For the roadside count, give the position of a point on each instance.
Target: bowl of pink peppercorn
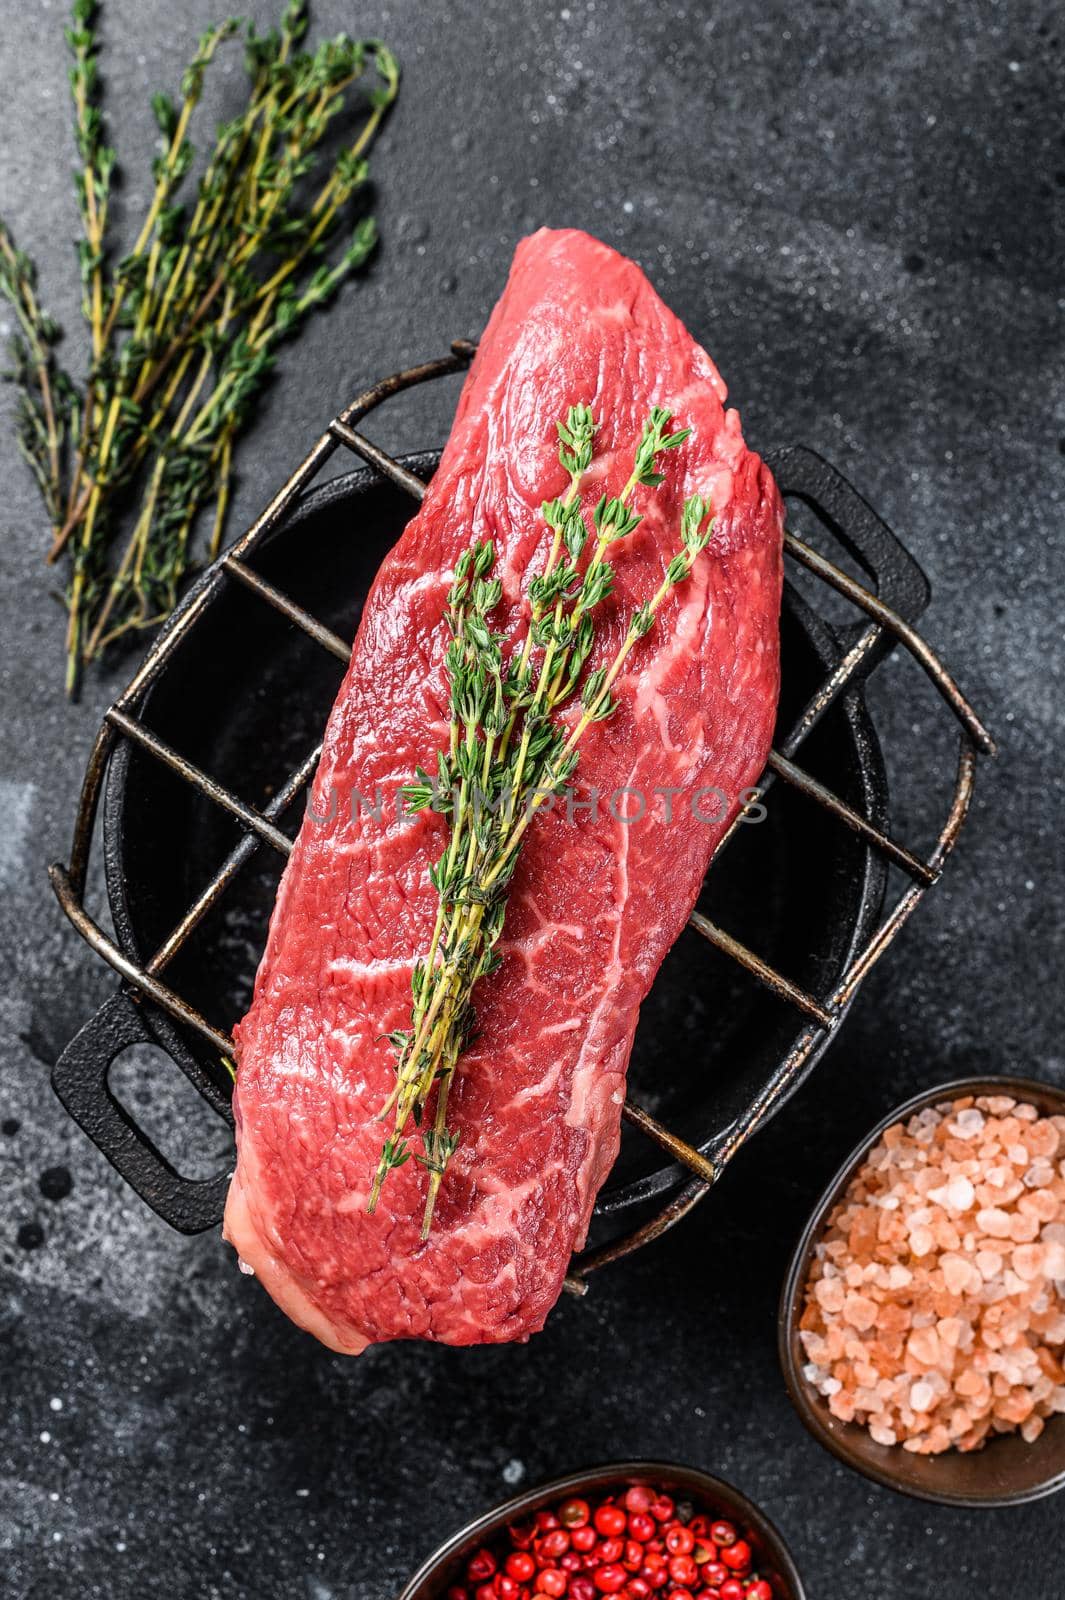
(630, 1531)
(922, 1322)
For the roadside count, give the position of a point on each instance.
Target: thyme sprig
(184, 328)
(509, 754)
(47, 408)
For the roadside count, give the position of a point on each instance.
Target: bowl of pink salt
(922, 1325)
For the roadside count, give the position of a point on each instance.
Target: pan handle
(897, 578)
(80, 1079)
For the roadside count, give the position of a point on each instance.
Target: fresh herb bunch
(184, 328)
(508, 754)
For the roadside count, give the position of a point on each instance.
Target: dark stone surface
(859, 208)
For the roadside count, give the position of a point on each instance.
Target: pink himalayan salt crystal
(988, 1264)
(1042, 1138)
(987, 1195)
(830, 1294)
(859, 1312)
(1023, 1229)
(923, 1346)
(895, 1318)
(993, 1222)
(968, 1123)
(997, 1104)
(1038, 1203)
(1015, 1407)
(922, 1396)
(960, 1422)
(945, 1234)
(1027, 1261)
(842, 1406)
(933, 1314)
(958, 1274)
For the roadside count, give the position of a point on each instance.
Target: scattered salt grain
(935, 1309)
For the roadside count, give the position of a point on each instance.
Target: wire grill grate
(823, 1014)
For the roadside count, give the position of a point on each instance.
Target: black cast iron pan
(246, 696)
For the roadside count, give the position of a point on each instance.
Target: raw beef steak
(596, 901)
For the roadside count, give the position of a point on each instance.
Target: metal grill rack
(822, 1014)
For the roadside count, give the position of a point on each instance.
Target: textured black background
(858, 208)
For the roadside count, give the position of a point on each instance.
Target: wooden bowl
(1007, 1471)
(772, 1558)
